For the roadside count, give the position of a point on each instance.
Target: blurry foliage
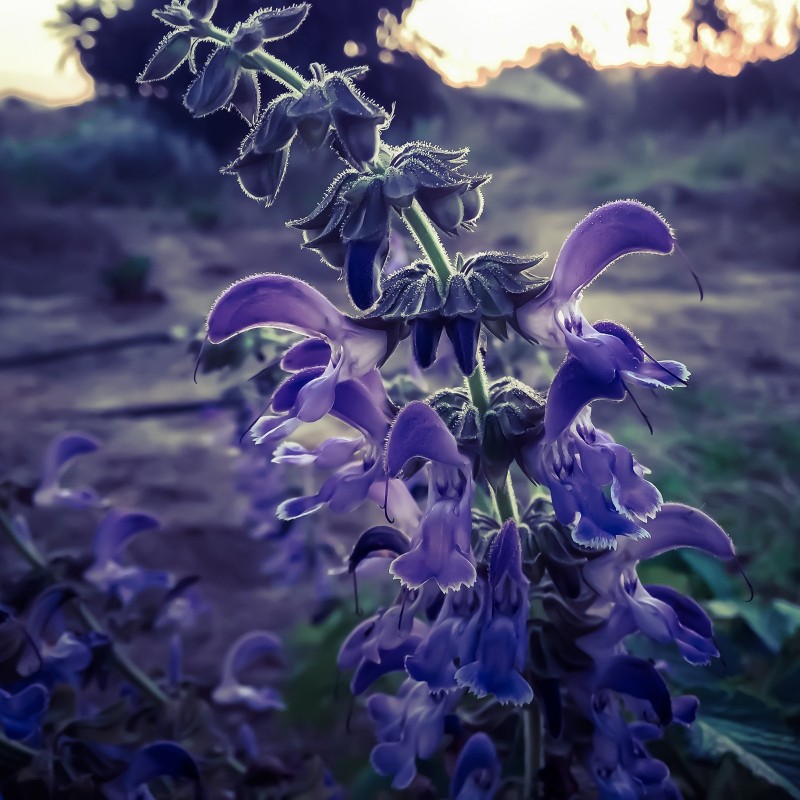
(127, 279)
(113, 157)
(763, 154)
(748, 482)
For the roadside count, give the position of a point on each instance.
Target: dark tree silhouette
(114, 44)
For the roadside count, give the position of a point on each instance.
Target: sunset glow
(468, 41)
(483, 36)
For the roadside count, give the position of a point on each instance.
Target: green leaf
(742, 726)
(773, 623)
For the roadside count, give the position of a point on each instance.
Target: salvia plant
(518, 605)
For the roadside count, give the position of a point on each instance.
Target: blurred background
(117, 233)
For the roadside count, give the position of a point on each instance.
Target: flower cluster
(527, 605)
(78, 716)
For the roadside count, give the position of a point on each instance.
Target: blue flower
(21, 713)
(382, 643)
(410, 725)
(442, 550)
(576, 464)
(478, 772)
(357, 463)
(452, 640)
(503, 642)
(660, 612)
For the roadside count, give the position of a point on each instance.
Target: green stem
(532, 730)
(428, 240)
(279, 70)
(260, 59)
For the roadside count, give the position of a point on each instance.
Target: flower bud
(171, 53)
(214, 86)
(277, 23)
(201, 10)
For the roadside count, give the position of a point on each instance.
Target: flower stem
(428, 240)
(260, 59)
(425, 235)
(532, 737)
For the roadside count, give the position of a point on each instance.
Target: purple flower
(21, 713)
(452, 640)
(660, 612)
(593, 480)
(621, 765)
(442, 549)
(410, 725)
(108, 572)
(246, 650)
(357, 463)
(60, 454)
(478, 772)
(64, 654)
(382, 643)
(607, 351)
(503, 641)
(280, 301)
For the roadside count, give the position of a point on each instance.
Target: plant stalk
(427, 239)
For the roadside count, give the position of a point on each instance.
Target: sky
(471, 39)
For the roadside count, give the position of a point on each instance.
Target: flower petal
(418, 432)
(606, 234)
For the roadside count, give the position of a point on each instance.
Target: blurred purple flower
(60, 454)
(477, 773)
(409, 725)
(21, 712)
(107, 572)
(246, 650)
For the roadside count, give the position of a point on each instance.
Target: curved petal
(603, 236)
(418, 432)
(246, 650)
(572, 389)
(60, 453)
(637, 678)
(274, 301)
(478, 756)
(677, 525)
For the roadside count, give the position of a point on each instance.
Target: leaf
(739, 724)
(109, 726)
(772, 623)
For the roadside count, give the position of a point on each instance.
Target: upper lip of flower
(280, 301)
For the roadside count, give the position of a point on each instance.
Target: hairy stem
(260, 59)
(428, 240)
